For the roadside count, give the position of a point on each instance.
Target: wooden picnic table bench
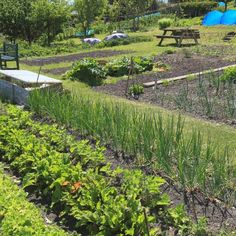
(179, 34)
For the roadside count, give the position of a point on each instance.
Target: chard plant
(80, 185)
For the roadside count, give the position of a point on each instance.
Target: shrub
(136, 89)
(186, 22)
(169, 51)
(193, 9)
(164, 23)
(120, 67)
(125, 41)
(189, 9)
(160, 66)
(88, 71)
(229, 75)
(143, 64)
(37, 50)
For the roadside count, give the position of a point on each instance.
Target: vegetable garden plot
(73, 57)
(80, 186)
(17, 215)
(192, 159)
(177, 64)
(208, 96)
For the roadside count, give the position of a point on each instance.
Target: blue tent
(229, 18)
(212, 18)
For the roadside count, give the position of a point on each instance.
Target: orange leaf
(76, 186)
(66, 183)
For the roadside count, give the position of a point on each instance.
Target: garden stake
(146, 221)
(193, 207)
(130, 74)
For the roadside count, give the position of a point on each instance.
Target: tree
(15, 19)
(50, 15)
(112, 16)
(30, 28)
(29, 19)
(133, 9)
(87, 11)
(226, 4)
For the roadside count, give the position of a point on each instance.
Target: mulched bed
(74, 57)
(179, 65)
(197, 204)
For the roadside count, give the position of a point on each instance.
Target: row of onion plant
(194, 161)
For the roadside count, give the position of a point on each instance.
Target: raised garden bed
(16, 85)
(50, 137)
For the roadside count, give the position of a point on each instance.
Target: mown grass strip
(17, 215)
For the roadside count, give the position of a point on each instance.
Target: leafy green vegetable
(18, 216)
(76, 179)
(120, 67)
(88, 71)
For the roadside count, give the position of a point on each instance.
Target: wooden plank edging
(153, 83)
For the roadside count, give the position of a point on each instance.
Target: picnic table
(179, 34)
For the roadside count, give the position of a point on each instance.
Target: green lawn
(221, 133)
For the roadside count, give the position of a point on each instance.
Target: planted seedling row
(80, 186)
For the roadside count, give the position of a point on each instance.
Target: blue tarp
(229, 18)
(88, 33)
(149, 15)
(212, 18)
(221, 4)
(219, 18)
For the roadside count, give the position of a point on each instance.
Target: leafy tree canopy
(88, 10)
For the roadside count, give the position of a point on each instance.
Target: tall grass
(196, 164)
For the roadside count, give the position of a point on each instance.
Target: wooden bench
(229, 36)
(179, 34)
(9, 53)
